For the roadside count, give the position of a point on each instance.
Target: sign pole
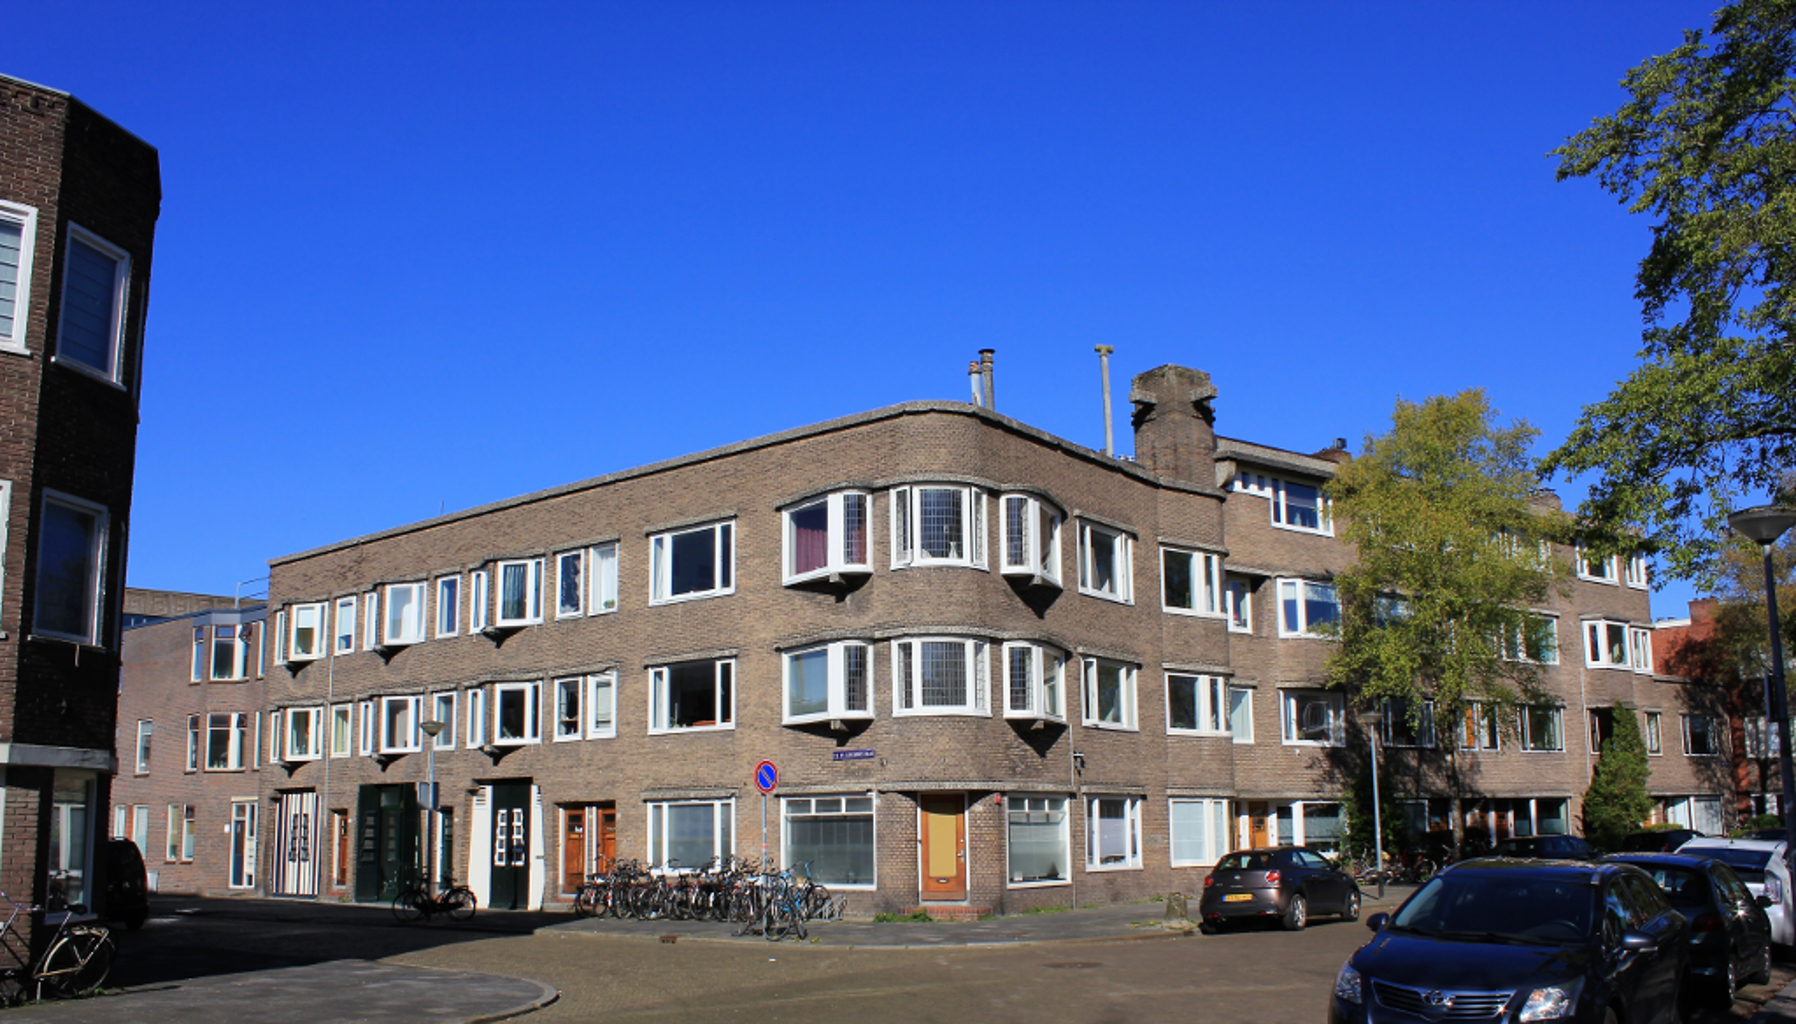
(763, 829)
(767, 777)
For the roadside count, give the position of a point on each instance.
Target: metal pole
(1377, 818)
(430, 818)
(1104, 370)
(763, 830)
(1780, 701)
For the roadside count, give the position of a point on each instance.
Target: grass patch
(918, 916)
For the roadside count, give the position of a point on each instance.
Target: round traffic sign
(766, 776)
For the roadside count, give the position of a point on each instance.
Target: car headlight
(1347, 985)
(1551, 1003)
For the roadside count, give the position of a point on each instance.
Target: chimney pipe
(985, 374)
(977, 381)
(1104, 369)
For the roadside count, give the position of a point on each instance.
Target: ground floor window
(834, 835)
(1312, 823)
(71, 837)
(1039, 842)
(690, 834)
(1702, 813)
(1200, 831)
(1521, 817)
(1113, 833)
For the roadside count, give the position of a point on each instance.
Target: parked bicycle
(75, 961)
(414, 903)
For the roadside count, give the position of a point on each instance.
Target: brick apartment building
(79, 198)
(996, 670)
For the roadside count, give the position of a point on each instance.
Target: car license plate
(1237, 897)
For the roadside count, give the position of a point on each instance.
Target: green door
(387, 852)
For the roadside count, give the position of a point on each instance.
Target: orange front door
(1259, 825)
(604, 835)
(573, 851)
(942, 845)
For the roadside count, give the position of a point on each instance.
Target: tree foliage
(1441, 513)
(1617, 802)
(1705, 144)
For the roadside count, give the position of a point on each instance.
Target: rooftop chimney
(1174, 432)
(985, 374)
(977, 380)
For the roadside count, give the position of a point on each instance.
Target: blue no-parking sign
(766, 776)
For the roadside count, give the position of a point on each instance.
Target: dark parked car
(1524, 941)
(1658, 840)
(1545, 848)
(127, 885)
(1289, 884)
(1730, 935)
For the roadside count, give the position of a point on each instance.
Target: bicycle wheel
(586, 900)
(78, 963)
(406, 905)
(461, 903)
(816, 902)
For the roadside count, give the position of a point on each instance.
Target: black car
(1730, 934)
(1545, 848)
(127, 884)
(1656, 840)
(1521, 940)
(1287, 884)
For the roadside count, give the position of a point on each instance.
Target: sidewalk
(1780, 1010)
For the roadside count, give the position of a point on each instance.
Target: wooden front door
(942, 845)
(603, 836)
(340, 868)
(1259, 824)
(573, 850)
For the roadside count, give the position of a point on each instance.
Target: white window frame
(26, 218)
(1291, 731)
(1527, 729)
(906, 505)
(197, 671)
(413, 739)
(441, 701)
(115, 330)
(479, 601)
(236, 739)
(1481, 716)
(345, 626)
(601, 682)
(603, 580)
(1608, 576)
(1041, 560)
(838, 559)
(370, 620)
(836, 658)
(280, 637)
(1207, 583)
(1716, 743)
(195, 742)
(1514, 648)
(1209, 700)
(314, 749)
(98, 548)
(1026, 804)
(1652, 733)
(1426, 734)
(321, 638)
(448, 606)
(723, 827)
(1305, 628)
(1218, 831)
(578, 559)
(787, 813)
(1280, 508)
(342, 715)
(475, 699)
(1044, 690)
(1122, 555)
(1634, 572)
(1596, 648)
(1090, 670)
(370, 729)
(1246, 693)
(723, 677)
(410, 625)
(562, 687)
(723, 563)
(146, 732)
(1237, 603)
(532, 689)
(907, 677)
(1132, 861)
(1640, 648)
(533, 593)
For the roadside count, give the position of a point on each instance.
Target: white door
(243, 844)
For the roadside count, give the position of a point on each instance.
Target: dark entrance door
(388, 852)
(511, 845)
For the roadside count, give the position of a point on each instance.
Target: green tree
(1617, 802)
(1706, 145)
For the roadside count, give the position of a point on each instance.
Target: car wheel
(1726, 987)
(1761, 975)
(1297, 914)
(1350, 911)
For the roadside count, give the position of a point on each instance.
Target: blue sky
(423, 256)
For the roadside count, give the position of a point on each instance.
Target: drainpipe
(985, 376)
(1104, 369)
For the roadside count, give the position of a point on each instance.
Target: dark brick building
(79, 198)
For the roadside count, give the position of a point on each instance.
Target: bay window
(692, 695)
(939, 676)
(1109, 691)
(1606, 644)
(1106, 562)
(1307, 609)
(405, 615)
(1197, 705)
(520, 592)
(1113, 833)
(1190, 582)
(828, 536)
(829, 681)
(831, 834)
(938, 525)
(688, 564)
(1030, 539)
(1034, 682)
(1038, 841)
(1312, 718)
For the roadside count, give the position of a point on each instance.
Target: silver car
(1761, 864)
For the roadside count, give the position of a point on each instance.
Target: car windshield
(1684, 887)
(1245, 862)
(1748, 863)
(1501, 906)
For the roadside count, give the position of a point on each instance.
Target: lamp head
(1762, 524)
(1370, 718)
(431, 728)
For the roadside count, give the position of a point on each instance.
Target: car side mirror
(1376, 921)
(1765, 900)
(1636, 941)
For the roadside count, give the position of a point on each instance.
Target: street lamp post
(1371, 720)
(1764, 525)
(431, 729)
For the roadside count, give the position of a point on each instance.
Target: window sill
(1097, 868)
(512, 744)
(87, 371)
(830, 574)
(563, 616)
(935, 712)
(232, 771)
(655, 602)
(1199, 733)
(1311, 743)
(1105, 596)
(1195, 613)
(1555, 750)
(825, 718)
(941, 563)
(1031, 716)
(558, 738)
(1241, 630)
(1598, 579)
(512, 625)
(682, 729)
(1034, 577)
(1303, 636)
(602, 735)
(1050, 883)
(1314, 531)
(1111, 726)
